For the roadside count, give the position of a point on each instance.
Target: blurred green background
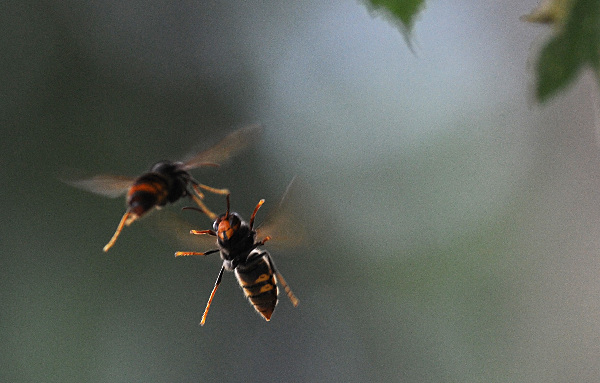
(453, 225)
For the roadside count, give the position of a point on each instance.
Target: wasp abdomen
(148, 191)
(260, 286)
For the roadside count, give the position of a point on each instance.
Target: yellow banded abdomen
(259, 284)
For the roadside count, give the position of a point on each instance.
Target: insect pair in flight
(236, 239)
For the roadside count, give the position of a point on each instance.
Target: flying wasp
(253, 267)
(167, 181)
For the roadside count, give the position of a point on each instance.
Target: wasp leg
(186, 253)
(200, 232)
(212, 295)
(287, 289)
(127, 219)
(211, 189)
(265, 239)
(198, 192)
(202, 206)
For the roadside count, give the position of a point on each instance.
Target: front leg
(198, 232)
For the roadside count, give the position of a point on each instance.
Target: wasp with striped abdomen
(253, 267)
(167, 181)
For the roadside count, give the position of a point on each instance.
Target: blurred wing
(285, 224)
(226, 148)
(176, 231)
(103, 184)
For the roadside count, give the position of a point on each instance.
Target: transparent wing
(103, 184)
(284, 223)
(226, 148)
(176, 230)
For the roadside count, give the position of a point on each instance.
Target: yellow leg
(287, 289)
(212, 190)
(187, 253)
(127, 219)
(203, 207)
(212, 295)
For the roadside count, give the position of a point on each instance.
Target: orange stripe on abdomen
(147, 192)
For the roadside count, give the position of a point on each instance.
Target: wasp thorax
(165, 167)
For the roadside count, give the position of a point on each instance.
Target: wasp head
(227, 225)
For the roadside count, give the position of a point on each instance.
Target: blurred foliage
(404, 10)
(464, 252)
(575, 43)
(552, 12)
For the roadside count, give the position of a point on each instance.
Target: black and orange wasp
(253, 267)
(168, 181)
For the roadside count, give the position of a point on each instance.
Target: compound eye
(218, 222)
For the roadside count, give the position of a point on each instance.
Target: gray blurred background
(452, 224)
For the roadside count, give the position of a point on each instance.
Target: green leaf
(575, 45)
(552, 12)
(403, 10)
(557, 66)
